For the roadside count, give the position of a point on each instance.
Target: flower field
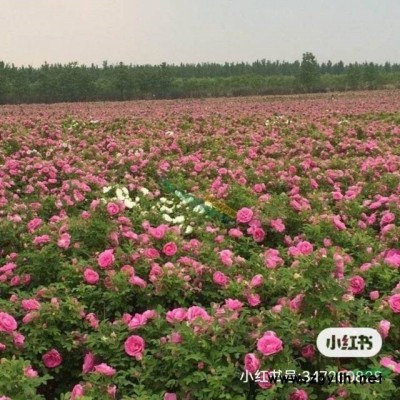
(165, 249)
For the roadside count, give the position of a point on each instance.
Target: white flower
(119, 194)
(125, 191)
(188, 230)
(129, 203)
(169, 133)
(187, 200)
(179, 219)
(107, 189)
(167, 217)
(162, 199)
(208, 204)
(199, 209)
(166, 209)
(144, 190)
(137, 198)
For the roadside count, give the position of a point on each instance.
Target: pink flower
(106, 259)
(104, 369)
(112, 391)
(91, 277)
(392, 258)
(258, 234)
(134, 346)
(257, 280)
(52, 359)
(296, 302)
(251, 363)
(7, 322)
(176, 338)
(383, 328)
(29, 372)
(277, 225)
(233, 304)
(299, 394)
(34, 224)
(236, 233)
(244, 215)
(176, 315)
(170, 249)
(30, 305)
(226, 257)
(391, 364)
(170, 396)
(38, 240)
(220, 278)
(305, 248)
(253, 299)
(64, 241)
(357, 284)
(112, 208)
(159, 232)
(338, 223)
(387, 218)
(136, 321)
(308, 352)
(18, 339)
(196, 312)
(269, 344)
(394, 303)
(137, 281)
(272, 259)
(374, 295)
(88, 362)
(77, 392)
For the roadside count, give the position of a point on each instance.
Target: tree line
(70, 82)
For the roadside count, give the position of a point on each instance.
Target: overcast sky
(174, 31)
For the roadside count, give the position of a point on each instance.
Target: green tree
(309, 72)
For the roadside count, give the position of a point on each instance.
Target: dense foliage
(72, 82)
(116, 283)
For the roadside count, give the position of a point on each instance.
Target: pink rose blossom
(77, 392)
(299, 394)
(88, 362)
(269, 344)
(244, 215)
(176, 315)
(383, 328)
(30, 305)
(220, 278)
(394, 303)
(112, 208)
(251, 363)
(277, 225)
(254, 299)
(64, 241)
(7, 322)
(170, 249)
(170, 396)
(91, 277)
(29, 372)
(195, 313)
(104, 369)
(134, 346)
(52, 359)
(357, 284)
(106, 259)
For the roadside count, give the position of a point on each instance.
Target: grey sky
(174, 31)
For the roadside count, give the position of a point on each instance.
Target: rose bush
(113, 287)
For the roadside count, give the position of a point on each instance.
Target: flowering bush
(114, 287)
